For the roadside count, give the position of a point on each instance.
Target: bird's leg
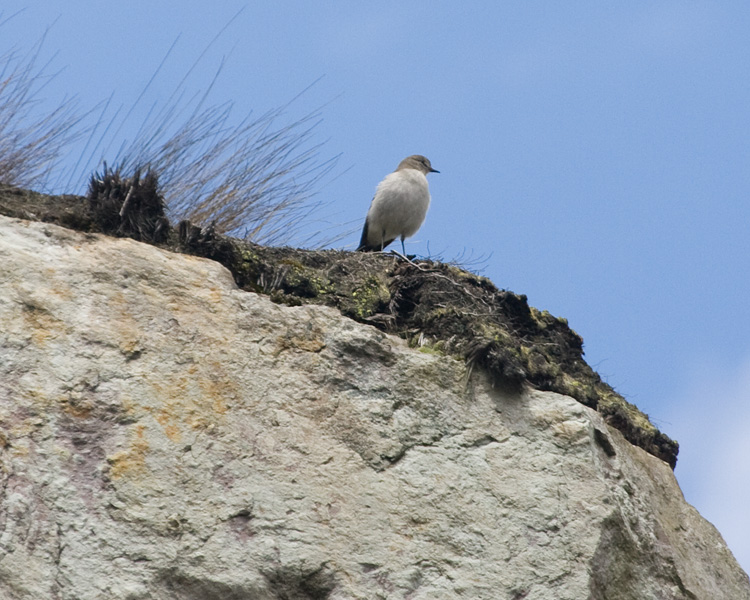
(403, 249)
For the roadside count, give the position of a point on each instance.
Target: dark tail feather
(363, 247)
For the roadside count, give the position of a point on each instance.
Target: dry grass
(254, 179)
(31, 145)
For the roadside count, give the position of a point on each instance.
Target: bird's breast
(400, 204)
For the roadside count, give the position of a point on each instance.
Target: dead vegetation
(255, 179)
(31, 144)
(128, 207)
(433, 305)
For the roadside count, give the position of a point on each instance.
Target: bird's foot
(407, 257)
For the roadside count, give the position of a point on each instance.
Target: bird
(399, 206)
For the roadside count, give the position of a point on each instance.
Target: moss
(433, 347)
(371, 297)
(302, 281)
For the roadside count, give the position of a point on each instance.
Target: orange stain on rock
(130, 462)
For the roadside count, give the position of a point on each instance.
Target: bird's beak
(434, 170)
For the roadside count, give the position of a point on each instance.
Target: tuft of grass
(255, 178)
(130, 207)
(31, 145)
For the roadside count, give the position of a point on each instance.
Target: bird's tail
(363, 247)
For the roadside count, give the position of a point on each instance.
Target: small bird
(399, 206)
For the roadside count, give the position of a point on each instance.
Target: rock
(166, 435)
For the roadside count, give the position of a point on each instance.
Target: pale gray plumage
(399, 206)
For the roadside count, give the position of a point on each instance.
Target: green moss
(425, 346)
(300, 280)
(370, 297)
(615, 405)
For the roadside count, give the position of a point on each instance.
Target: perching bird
(399, 206)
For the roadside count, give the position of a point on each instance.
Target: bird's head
(418, 162)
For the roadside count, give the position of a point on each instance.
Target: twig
(125, 204)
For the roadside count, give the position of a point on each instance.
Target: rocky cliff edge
(167, 434)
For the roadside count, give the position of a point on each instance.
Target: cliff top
(435, 306)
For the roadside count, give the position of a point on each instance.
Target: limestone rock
(165, 435)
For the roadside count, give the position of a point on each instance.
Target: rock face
(165, 435)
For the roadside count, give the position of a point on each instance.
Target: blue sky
(597, 153)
